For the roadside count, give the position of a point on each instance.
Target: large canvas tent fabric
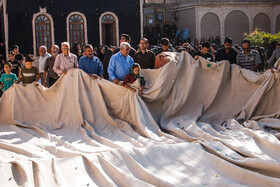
(198, 124)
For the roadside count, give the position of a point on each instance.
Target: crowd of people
(123, 65)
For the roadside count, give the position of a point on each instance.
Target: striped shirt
(248, 61)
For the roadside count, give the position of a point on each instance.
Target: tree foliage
(261, 38)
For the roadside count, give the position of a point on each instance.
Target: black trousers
(51, 81)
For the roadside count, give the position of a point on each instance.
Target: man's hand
(116, 81)
(132, 89)
(140, 94)
(93, 76)
(196, 57)
(64, 72)
(45, 84)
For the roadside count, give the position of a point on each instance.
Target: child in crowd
(15, 63)
(29, 73)
(7, 79)
(132, 77)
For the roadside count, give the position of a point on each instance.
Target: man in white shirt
(42, 60)
(65, 60)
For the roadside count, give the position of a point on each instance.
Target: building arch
(262, 21)
(76, 28)
(43, 31)
(236, 24)
(109, 29)
(210, 26)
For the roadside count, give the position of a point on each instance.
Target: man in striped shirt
(248, 58)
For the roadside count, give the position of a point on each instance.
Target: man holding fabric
(248, 58)
(91, 64)
(120, 64)
(65, 60)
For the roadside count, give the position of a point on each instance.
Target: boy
(29, 73)
(8, 79)
(15, 63)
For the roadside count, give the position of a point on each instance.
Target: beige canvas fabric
(198, 124)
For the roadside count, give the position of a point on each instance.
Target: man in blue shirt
(91, 64)
(120, 64)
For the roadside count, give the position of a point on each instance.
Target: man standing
(15, 63)
(91, 64)
(227, 53)
(164, 42)
(275, 56)
(204, 52)
(48, 69)
(65, 60)
(18, 55)
(120, 64)
(248, 59)
(145, 58)
(42, 60)
(126, 38)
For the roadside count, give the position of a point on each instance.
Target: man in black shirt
(126, 38)
(227, 53)
(145, 58)
(165, 46)
(15, 63)
(18, 55)
(204, 52)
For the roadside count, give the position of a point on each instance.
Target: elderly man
(48, 69)
(65, 60)
(91, 64)
(248, 58)
(120, 64)
(42, 60)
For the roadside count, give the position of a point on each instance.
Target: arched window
(76, 28)
(43, 29)
(109, 29)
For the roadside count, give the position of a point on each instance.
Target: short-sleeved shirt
(15, 68)
(8, 80)
(29, 75)
(248, 61)
(145, 60)
(49, 67)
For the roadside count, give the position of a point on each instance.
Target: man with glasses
(65, 60)
(226, 53)
(120, 64)
(248, 58)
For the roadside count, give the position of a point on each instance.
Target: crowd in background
(122, 65)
